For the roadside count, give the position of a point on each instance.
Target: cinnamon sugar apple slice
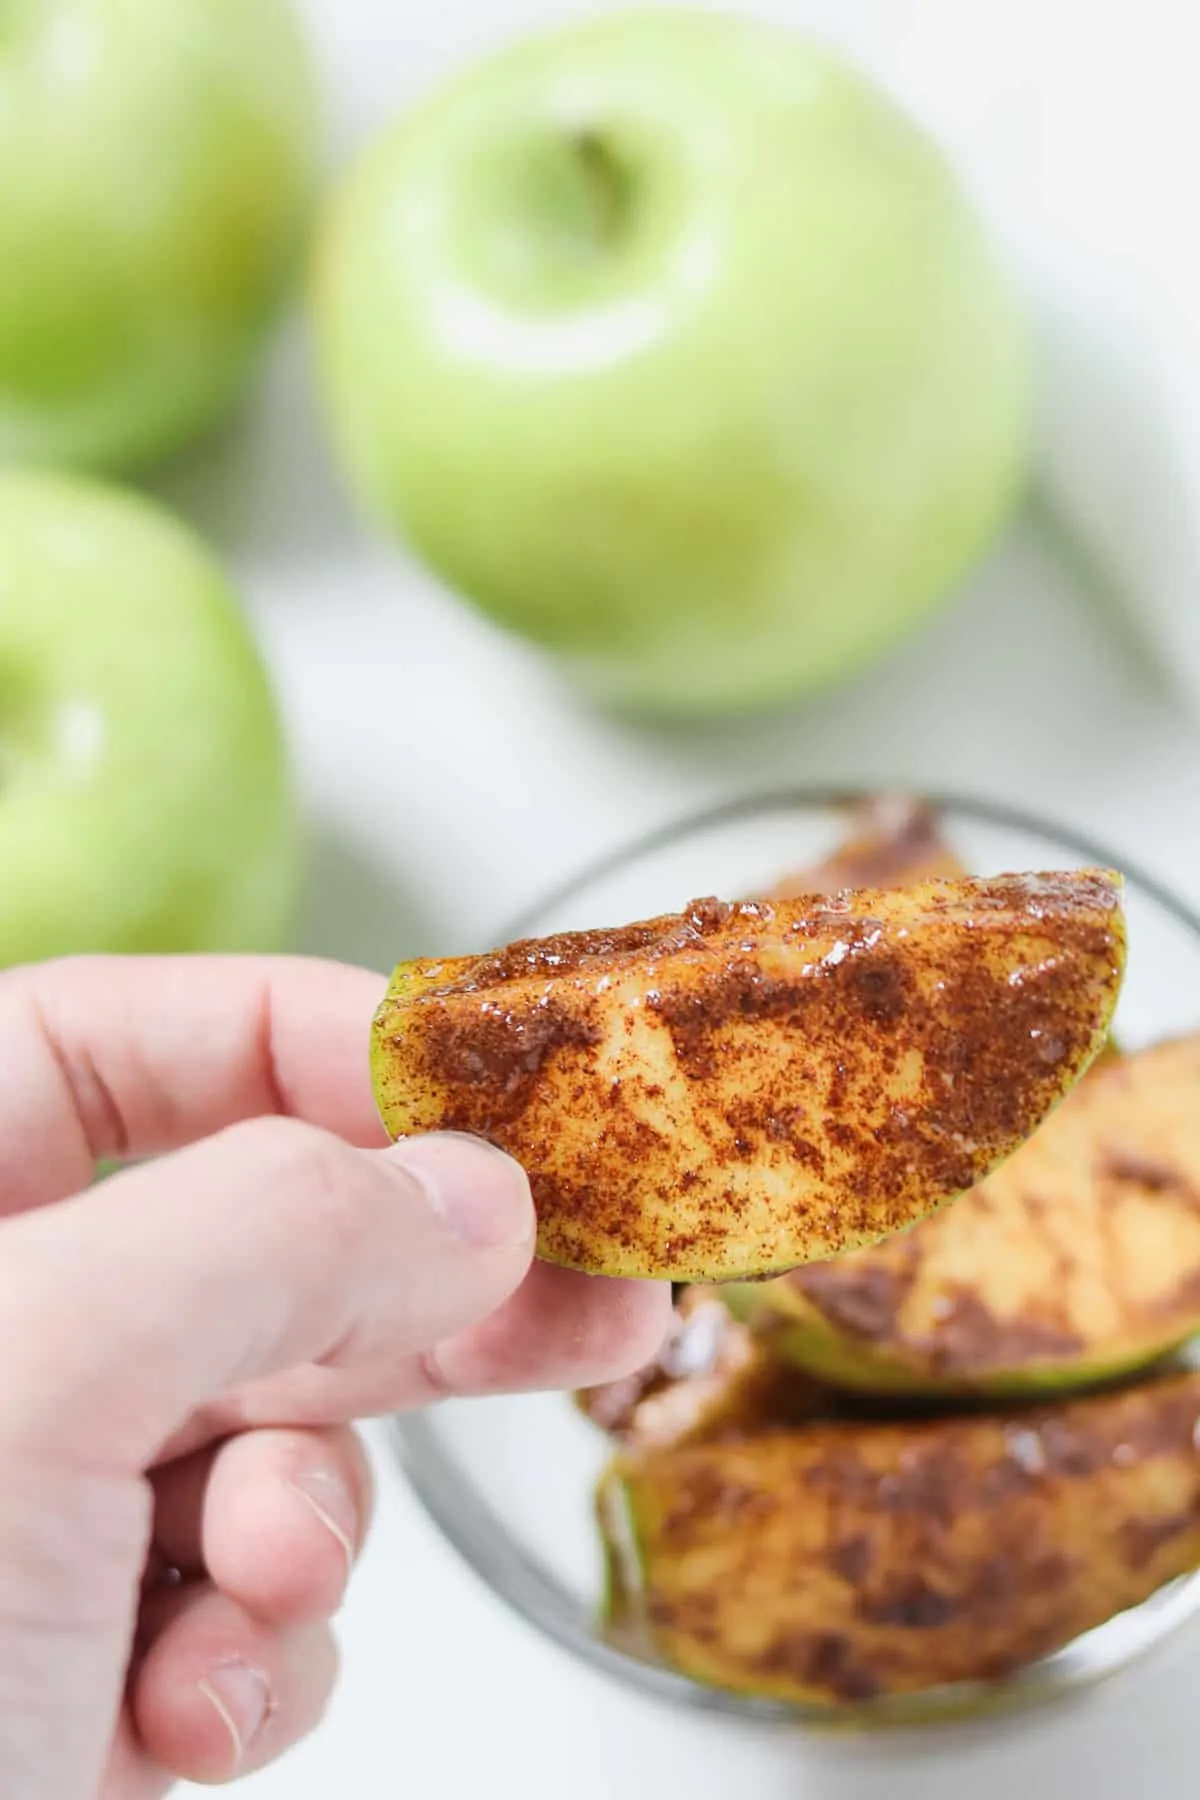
(738, 1089)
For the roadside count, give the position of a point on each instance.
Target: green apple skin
(676, 347)
(145, 796)
(809, 1344)
(157, 170)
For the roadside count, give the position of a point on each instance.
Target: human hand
(185, 1344)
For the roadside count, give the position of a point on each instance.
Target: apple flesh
(156, 171)
(145, 801)
(671, 343)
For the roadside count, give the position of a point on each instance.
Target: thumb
(268, 1245)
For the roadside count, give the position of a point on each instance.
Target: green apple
(145, 800)
(674, 345)
(157, 160)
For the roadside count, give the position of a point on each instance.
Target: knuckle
(436, 1383)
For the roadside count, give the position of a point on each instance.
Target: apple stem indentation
(605, 186)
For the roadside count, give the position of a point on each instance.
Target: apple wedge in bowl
(850, 1559)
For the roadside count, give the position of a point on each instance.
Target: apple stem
(605, 181)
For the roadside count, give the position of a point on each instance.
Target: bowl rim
(472, 1528)
(835, 797)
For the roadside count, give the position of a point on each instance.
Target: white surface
(450, 778)
(1076, 126)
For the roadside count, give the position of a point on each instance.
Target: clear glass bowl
(509, 1481)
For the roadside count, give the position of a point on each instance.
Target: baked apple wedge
(853, 1560)
(740, 1088)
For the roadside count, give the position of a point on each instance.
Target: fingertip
(328, 1500)
(218, 1694)
(240, 1695)
(286, 1514)
(481, 1192)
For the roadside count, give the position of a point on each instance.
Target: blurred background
(1062, 669)
(1054, 674)
(520, 464)
(448, 768)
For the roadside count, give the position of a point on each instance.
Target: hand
(184, 1345)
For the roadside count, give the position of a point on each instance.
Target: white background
(450, 778)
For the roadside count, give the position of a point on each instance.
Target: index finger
(113, 1057)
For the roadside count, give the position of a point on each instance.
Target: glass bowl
(509, 1481)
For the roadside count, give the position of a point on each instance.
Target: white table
(450, 778)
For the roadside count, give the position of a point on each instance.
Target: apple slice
(712, 1378)
(894, 841)
(852, 1560)
(741, 1088)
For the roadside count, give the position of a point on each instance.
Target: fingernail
(330, 1499)
(241, 1698)
(482, 1194)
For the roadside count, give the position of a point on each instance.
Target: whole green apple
(157, 160)
(145, 800)
(674, 345)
